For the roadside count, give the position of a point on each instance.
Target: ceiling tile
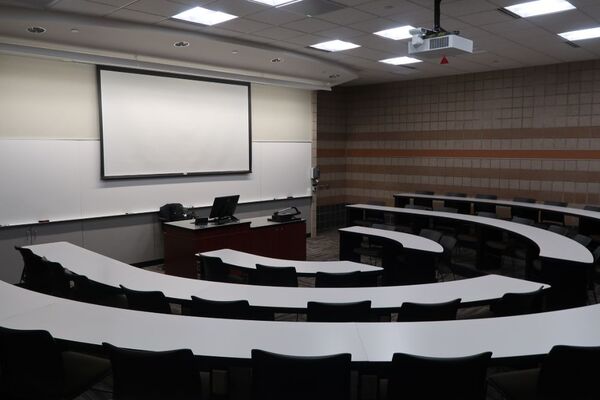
(243, 25)
(374, 25)
(116, 3)
(159, 7)
(136, 16)
(275, 16)
(236, 7)
(278, 33)
(398, 47)
(385, 8)
(486, 18)
(310, 25)
(346, 16)
(83, 7)
(563, 22)
(369, 54)
(465, 7)
(306, 40)
(341, 32)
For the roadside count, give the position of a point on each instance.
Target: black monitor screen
(224, 207)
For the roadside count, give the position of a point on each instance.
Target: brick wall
(532, 132)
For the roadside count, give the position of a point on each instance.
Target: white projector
(446, 45)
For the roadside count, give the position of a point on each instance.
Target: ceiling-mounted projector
(447, 44)
(438, 41)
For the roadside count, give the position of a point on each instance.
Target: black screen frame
(104, 176)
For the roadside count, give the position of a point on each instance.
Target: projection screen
(155, 124)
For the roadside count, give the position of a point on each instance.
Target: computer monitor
(223, 207)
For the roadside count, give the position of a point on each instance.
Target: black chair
(589, 226)
(34, 367)
(428, 378)
(414, 312)
(213, 269)
(519, 303)
(463, 207)
(567, 372)
(426, 203)
(582, 239)
(32, 276)
(358, 311)
(485, 207)
(154, 375)
(431, 234)
(561, 230)
(88, 291)
(445, 263)
(553, 217)
(150, 301)
(346, 279)
(236, 309)
(277, 377)
(275, 276)
(524, 212)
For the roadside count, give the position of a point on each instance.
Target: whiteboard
(165, 124)
(60, 180)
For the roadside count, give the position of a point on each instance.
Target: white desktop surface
(550, 244)
(407, 240)
(247, 260)
(580, 212)
(505, 337)
(111, 272)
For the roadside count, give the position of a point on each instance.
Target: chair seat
(82, 371)
(517, 385)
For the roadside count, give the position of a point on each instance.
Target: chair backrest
(561, 230)
(524, 221)
(582, 239)
(275, 276)
(570, 372)
(213, 269)
(384, 227)
(431, 234)
(524, 212)
(463, 207)
(596, 254)
(431, 378)
(31, 365)
(553, 216)
(150, 375)
(32, 276)
(151, 301)
(89, 291)
(413, 312)
(56, 281)
(448, 243)
(486, 214)
(519, 303)
(346, 279)
(358, 311)
(427, 204)
(591, 208)
(277, 377)
(236, 309)
(452, 210)
(479, 207)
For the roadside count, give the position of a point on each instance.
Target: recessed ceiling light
(234, 52)
(540, 7)
(401, 32)
(334, 76)
(181, 44)
(36, 29)
(581, 34)
(74, 30)
(275, 3)
(334, 45)
(400, 60)
(204, 16)
(276, 60)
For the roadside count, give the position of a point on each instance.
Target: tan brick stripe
(507, 173)
(468, 134)
(541, 154)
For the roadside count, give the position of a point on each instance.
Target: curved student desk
(550, 245)
(227, 340)
(111, 272)
(577, 212)
(407, 240)
(249, 261)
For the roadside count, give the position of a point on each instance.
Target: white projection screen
(155, 124)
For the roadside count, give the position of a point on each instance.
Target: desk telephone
(285, 215)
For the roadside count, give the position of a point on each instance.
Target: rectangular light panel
(540, 7)
(204, 16)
